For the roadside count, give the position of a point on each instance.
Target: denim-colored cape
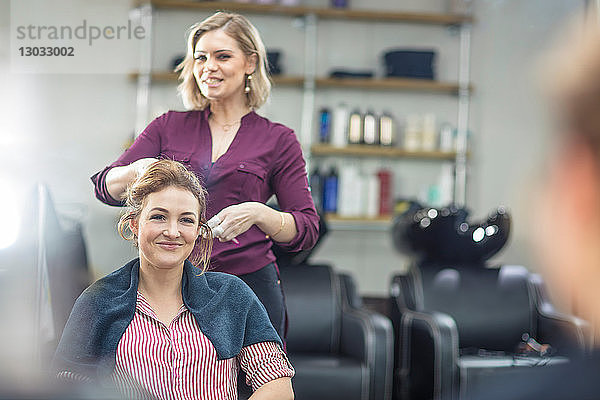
(226, 310)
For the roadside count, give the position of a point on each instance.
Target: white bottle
(350, 190)
(372, 191)
(412, 133)
(339, 126)
(386, 130)
(447, 138)
(429, 134)
(355, 128)
(370, 133)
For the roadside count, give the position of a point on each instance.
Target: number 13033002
(47, 51)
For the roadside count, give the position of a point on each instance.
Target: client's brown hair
(158, 176)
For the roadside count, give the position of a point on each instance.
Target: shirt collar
(143, 306)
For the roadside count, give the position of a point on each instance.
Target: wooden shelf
(358, 150)
(421, 85)
(335, 218)
(327, 13)
(166, 76)
(377, 224)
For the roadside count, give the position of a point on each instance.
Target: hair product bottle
(330, 191)
(386, 130)
(371, 135)
(429, 136)
(339, 126)
(355, 128)
(324, 125)
(316, 188)
(385, 191)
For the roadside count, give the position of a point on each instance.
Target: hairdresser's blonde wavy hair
(248, 39)
(158, 176)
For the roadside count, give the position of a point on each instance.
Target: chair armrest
(406, 290)
(566, 333)
(350, 297)
(428, 356)
(368, 336)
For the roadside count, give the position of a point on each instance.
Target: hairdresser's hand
(234, 220)
(139, 167)
(118, 178)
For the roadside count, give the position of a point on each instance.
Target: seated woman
(161, 327)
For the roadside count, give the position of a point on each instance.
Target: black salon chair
(461, 325)
(339, 349)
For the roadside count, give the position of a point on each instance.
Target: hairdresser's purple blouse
(264, 158)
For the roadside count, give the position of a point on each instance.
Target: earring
(248, 81)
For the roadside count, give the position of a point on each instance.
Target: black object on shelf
(344, 73)
(274, 58)
(178, 59)
(410, 63)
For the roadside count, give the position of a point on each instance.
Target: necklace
(227, 126)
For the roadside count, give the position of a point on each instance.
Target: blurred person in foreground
(162, 327)
(567, 218)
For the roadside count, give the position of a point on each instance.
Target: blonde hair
(248, 39)
(158, 176)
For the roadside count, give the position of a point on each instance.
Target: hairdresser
(241, 157)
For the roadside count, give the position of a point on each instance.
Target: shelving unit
(309, 82)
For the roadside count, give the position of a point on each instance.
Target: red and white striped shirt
(179, 362)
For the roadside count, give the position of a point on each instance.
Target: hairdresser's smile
(220, 66)
(211, 82)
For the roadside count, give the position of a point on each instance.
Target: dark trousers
(267, 286)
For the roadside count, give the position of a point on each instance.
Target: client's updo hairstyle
(158, 176)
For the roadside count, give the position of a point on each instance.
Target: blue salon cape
(226, 310)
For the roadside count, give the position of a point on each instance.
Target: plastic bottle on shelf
(447, 138)
(429, 133)
(316, 188)
(385, 191)
(370, 132)
(372, 195)
(355, 128)
(350, 191)
(386, 130)
(339, 126)
(330, 191)
(339, 3)
(412, 133)
(324, 125)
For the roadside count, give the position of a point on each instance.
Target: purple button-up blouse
(265, 158)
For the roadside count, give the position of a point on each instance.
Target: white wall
(508, 116)
(60, 128)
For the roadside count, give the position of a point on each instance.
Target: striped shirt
(179, 362)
